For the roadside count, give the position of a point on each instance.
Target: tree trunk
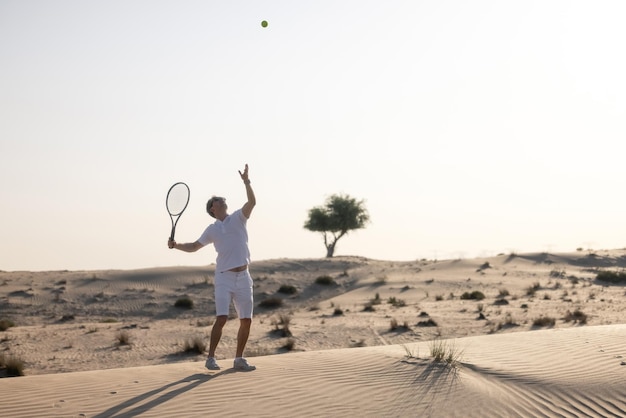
(330, 250)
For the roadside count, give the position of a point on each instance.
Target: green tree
(339, 215)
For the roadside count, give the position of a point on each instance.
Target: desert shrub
(394, 326)
(438, 298)
(501, 301)
(283, 320)
(544, 321)
(325, 281)
(376, 300)
(184, 303)
(611, 276)
(123, 338)
(287, 289)
(5, 324)
(445, 351)
(484, 266)
(428, 323)
(11, 365)
(338, 311)
(509, 322)
(503, 293)
(531, 290)
(290, 345)
(396, 303)
(195, 345)
(576, 316)
(475, 295)
(369, 307)
(557, 273)
(271, 303)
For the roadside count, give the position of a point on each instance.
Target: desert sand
(548, 339)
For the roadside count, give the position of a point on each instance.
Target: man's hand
(244, 175)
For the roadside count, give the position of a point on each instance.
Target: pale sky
(470, 128)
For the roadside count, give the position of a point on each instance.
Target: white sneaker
(211, 364)
(242, 364)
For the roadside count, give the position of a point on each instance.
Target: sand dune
(358, 347)
(569, 372)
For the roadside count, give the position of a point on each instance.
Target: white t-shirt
(230, 239)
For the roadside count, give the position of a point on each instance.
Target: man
(229, 236)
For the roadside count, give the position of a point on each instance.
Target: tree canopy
(339, 215)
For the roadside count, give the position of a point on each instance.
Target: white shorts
(235, 286)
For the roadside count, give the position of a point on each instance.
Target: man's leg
(242, 335)
(216, 333)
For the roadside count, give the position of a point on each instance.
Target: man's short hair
(210, 203)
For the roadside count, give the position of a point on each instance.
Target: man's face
(219, 206)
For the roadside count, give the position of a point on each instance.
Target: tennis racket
(176, 202)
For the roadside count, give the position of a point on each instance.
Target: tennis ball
(264, 23)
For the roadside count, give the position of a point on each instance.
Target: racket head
(177, 199)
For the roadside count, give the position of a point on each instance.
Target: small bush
(376, 300)
(12, 366)
(544, 321)
(123, 338)
(184, 303)
(394, 326)
(611, 276)
(283, 320)
(484, 266)
(531, 290)
(576, 316)
(428, 323)
(5, 324)
(325, 281)
(288, 289)
(369, 307)
(195, 345)
(557, 273)
(271, 303)
(445, 351)
(475, 295)
(290, 345)
(338, 311)
(396, 303)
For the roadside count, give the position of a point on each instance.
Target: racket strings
(177, 199)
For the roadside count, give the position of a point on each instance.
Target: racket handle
(172, 233)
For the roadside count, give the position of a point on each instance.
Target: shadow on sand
(140, 403)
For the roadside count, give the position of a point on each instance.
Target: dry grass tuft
(195, 345)
(445, 351)
(11, 366)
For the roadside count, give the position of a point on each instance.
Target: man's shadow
(188, 383)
